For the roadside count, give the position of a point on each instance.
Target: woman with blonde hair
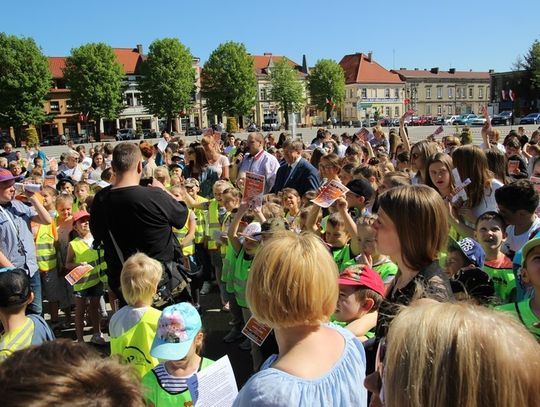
(420, 152)
(217, 161)
(445, 355)
(292, 288)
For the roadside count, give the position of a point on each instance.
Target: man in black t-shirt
(128, 218)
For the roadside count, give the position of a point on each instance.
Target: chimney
(402, 69)
(416, 69)
(369, 55)
(140, 49)
(305, 68)
(434, 70)
(267, 54)
(452, 70)
(492, 71)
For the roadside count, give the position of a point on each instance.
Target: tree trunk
(97, 131)
(286, 113)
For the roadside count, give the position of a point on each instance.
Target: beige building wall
(362, 100)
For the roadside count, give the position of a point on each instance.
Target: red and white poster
(329, 193)
(253, 188)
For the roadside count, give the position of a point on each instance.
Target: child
(178, 342)
(292, 202)
(464, 263)
(361, 291)
(490, 233)
(528, 310)
(89, 287)
(368, 250)
(20, 331)
(133, 327)
(82, 192)
(519, 214)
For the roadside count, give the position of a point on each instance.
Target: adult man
(8, 152)
(297, 173)
(259, 161)
(128, 218)
(17, 247)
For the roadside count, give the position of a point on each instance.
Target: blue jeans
(36, 307)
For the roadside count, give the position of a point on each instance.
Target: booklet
(256, 331)
(214, 386)
(329, 193)
(77, 273)
(253, 188)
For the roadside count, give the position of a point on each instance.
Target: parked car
(531, 118)
(419, 121)
(125, 134)
(270, 125)
(251, 128)
(79, 139)
(149, 133)
(464, 119)
(389, 122)
(193, 131)
(451, 119)
(369, 123)
(504, 118)
(477, 121)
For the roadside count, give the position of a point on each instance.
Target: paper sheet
(329, 193)
(162, 145)
(214, 386)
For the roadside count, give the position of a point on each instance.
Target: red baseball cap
(79, 215)
(362, 275)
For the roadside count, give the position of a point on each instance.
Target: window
(428, 109)
(396, 93)
(388, 110)
(471, 93)
(481, 92)
(439, 110)
(364, 92)
(428, 93)
(350, 93)
(387, 93)
(263, 94)
(439, 92)
(396, 111)
(54, 105)
(450, 93)
(69, 106)
(129, 99)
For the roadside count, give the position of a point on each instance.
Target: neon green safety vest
(188, 250)
(159, 397)
(94, 258)
(45, 247)
(20, 339)
(223, 248)
(504, 281)
(213, 223)
(201, 221)
(227, 271)
(134, 345)
(342, 257)
(241, 272)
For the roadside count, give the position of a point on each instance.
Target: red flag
(438, 130)
(407, 101)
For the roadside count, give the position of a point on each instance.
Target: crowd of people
(418, 286)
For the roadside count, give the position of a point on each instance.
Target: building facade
(371, 91)
(444, 93)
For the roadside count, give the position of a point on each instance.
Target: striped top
(173, 384)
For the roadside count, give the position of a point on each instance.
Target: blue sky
(476, 35)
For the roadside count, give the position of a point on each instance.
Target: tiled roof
(359, 69)
(129, 58)
(261, 62)
(412, 73)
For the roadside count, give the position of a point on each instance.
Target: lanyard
(10, 220)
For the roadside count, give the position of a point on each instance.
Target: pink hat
(362, 275)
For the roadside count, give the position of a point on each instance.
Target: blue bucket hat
(177, 327)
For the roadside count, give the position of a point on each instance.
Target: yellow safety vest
(227, 271)
(201, 221)
(155, 394)
(83, 253)
(134, 345)
(241, 272)
(45, 247)
(213, 223)
(19, 339)
(188, 250)
(223, 228)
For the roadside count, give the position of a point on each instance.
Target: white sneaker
(206, 288)
(98, 339)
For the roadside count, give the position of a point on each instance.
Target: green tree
(32, 137)
(228, 80)
(326, 84)
(96, 80)
(531, 64)
(168, 80)
(25, 80)
(286, 88)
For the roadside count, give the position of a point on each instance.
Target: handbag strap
(117, 248)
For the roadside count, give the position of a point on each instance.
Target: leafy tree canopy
(326, 84)
(286, 88)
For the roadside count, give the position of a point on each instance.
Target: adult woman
(284, 293)
(197, 167)
(471, 163)
(316, 156)
(405, 213)
(149, 161)
(217, 161)
(98, 165)
(329, 167)
(420, 152)
(458, 355)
